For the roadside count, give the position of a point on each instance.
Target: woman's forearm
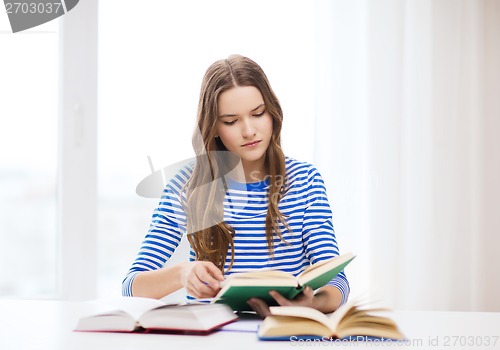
(157, 283)
(200, 278)
(327, 299)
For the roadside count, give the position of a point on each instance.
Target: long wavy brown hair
(209, 235)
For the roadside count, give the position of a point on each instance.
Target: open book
(143, 314)
(350, 321)
(240, 287)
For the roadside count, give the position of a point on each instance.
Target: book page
(337, 316)
(323, 267)
(253, 278)
(261, 275)
(283, 327)
(300, 311)
(133, 306)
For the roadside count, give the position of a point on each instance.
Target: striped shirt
(304, 205)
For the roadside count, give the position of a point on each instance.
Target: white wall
(394, 101)
(413, 129)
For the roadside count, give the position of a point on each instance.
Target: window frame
(77, 154)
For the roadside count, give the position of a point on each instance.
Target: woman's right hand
(201, 278)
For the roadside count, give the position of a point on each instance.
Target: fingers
(209, 274)
(259, 306)
(199, 289)
(307, 293)
(203, 280)
(303, 299)
(280, 298)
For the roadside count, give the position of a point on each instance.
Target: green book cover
(236, 296)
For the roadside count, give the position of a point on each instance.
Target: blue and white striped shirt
(304, 205)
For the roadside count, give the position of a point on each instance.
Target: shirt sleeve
(318, 233)
(168, 225)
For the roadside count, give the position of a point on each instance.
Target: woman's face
(244, 126)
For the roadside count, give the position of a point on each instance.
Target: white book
(134, 314)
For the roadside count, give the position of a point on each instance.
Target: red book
(134, 314)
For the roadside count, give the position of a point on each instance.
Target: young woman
(270, 211)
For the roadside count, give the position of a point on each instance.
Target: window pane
(28, 160)
(150, 72)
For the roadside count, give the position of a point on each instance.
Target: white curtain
(408, 141)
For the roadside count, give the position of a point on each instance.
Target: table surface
(40, 325)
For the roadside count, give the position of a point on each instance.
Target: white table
(48, 325)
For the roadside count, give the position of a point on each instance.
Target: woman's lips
(251, 144)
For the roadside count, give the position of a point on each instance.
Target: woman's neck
(248, 173)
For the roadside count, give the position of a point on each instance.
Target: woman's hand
(305, 298)
(327, 299)
(201, 278)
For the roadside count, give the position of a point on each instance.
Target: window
(150, 72)
(28, 160)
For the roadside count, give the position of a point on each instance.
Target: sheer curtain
(408, 140)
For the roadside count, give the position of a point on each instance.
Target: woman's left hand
(304, 299)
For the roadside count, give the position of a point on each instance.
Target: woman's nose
(248, 129)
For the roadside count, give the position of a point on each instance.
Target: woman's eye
(259, 114)
(230, 123)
